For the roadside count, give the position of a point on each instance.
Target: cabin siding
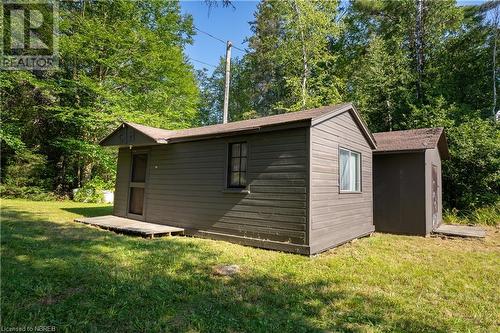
(121, 183)
(127, 136)
(338, 217)
(187, 187)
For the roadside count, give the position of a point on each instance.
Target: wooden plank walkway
(124, 225)
(460, 231)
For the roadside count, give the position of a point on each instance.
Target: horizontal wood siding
(186, 187)
(121, 184)
(338, 217)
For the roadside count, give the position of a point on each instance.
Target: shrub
(471, 177)
(92, 191)
(27, 192)
(489, 215)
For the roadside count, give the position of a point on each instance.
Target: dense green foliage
(405, 64)
(401, 67)
(83, 279)
(119, 60)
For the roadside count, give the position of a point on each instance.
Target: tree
(240, 93)
(494, 26)
(290, 58)
(119, 60)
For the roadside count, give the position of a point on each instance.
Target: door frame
(147, 152)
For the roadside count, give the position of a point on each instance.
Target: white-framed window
(350, 170)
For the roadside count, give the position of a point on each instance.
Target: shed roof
(159, 135)
(411, 140)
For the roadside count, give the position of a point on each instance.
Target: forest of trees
(405, 64)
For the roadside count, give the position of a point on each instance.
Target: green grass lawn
(83, 279)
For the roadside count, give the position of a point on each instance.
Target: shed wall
(338, 217)
(432, 157)
(400, 193)
(186, 187)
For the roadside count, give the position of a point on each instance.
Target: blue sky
(227, 24)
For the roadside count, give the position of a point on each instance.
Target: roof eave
(400, 151)
(442, 145)
(246, 130)
(122, 126)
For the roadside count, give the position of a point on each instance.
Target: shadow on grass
(90, 211)
(82, 279)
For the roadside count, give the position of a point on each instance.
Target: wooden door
(137, 185)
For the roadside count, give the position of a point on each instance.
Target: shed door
(137, 185)
(435, 202)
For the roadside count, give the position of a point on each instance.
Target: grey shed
(273, 182)
(407, 180)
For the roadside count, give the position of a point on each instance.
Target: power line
(219, 39)
(208, 34)
(202, 62)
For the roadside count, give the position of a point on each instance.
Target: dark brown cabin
(298, 182)
(407, 180)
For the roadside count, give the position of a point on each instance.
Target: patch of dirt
(53, 299)
(226, 270)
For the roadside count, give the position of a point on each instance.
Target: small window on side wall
(237, 168)
(350, 171)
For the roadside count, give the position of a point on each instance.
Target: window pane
(235, 150)
(139, 163)
(235, 164)
(344, 170)
(235, 179)
(243, 178)
(352, 172)
(357, 172)
(244, 149)
(243, 164)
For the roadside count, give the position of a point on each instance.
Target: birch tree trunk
(419, 46)
(496, 15)
(304, 55)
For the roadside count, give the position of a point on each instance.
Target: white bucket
(109, 196)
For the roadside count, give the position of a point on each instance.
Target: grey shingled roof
(153, 132)
(164, 136)
(236, 126)
(410, 140)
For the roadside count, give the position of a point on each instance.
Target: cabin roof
(159, 135)
(412, 140)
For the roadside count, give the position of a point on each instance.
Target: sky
(226, 24)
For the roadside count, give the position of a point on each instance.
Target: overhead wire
(202, 62)
(218, 39)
